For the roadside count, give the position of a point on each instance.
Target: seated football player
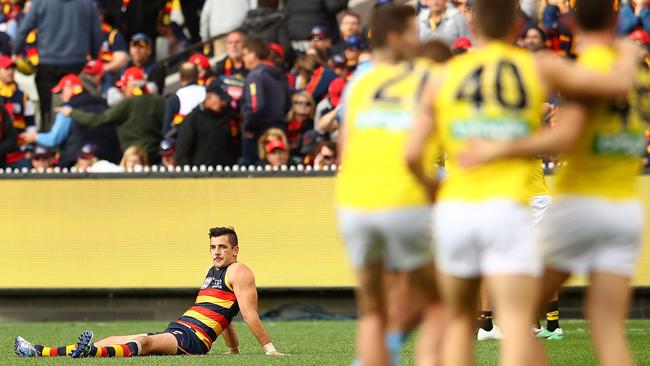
(228, 288)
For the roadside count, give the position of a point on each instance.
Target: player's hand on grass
(270, 350)
(232, 351)
(275, 353)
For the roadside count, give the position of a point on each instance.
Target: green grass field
(307, 342)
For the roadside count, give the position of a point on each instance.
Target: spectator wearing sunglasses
(325, 154)
(300, 119)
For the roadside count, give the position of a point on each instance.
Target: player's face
(223, 254)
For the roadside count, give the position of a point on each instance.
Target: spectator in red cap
(140, 50)
(205, 138)
(138, 117)
(277, 56)
(92, 75)
(206, 76)
(277, 153)
(329, 103)
(300, 119)
(69, 136)
(20, 108)
(326, 110)
(181, 103)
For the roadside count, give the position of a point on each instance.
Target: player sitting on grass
(228, 288)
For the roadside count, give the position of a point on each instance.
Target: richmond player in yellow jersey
(482, 222)
(229, 287)
(595, 224)
(383, 210)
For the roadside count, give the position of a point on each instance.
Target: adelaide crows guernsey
(214, 308)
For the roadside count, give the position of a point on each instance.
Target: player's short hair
(435, 50)
(387, 19)
(594, 15)
(216, 232)
(258, 47)
(495, 19)
(188, 72)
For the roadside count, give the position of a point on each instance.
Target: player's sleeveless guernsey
(214, 308)
(380, 108)
(493, 93)
(607, 159)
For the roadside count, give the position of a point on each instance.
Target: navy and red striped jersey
(214, 308)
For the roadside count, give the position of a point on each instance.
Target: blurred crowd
(266, 93)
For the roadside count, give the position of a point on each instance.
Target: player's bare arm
(422, 129)
(573, 80)
(242, 281)
(231, 339)
(572, 119)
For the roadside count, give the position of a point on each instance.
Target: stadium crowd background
(265, 94)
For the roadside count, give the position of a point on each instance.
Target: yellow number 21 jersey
(493, 93)
(380, 107)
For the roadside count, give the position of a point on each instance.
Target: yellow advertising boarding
(153, 233)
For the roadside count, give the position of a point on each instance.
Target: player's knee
(146, 345)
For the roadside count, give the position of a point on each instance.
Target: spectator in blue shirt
(632, 17)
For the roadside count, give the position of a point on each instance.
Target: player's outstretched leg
(86, 348)
(84, 343)
(24, 348)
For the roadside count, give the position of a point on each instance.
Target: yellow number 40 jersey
(380, 107)
(493, 93)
